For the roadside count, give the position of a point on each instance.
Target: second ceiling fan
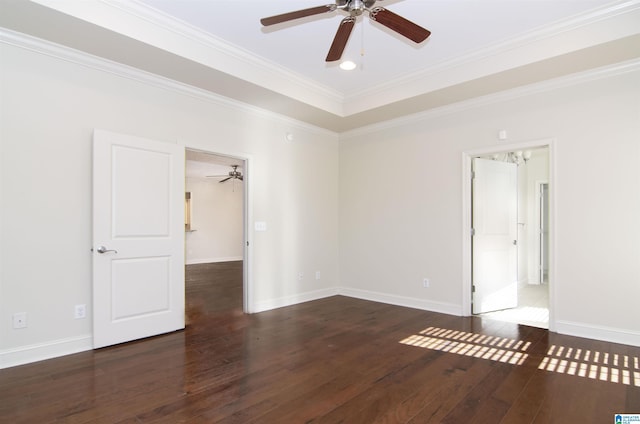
(355, 8)
(232, 175)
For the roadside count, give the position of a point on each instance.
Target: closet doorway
(507, 271)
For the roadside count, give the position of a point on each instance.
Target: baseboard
(213, 260)
(281, 302)
(40, 352)
(409, 302)
(597, 332)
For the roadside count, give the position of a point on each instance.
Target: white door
(138, 238)
(495, 225)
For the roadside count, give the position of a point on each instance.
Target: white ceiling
(477, 47)
(459, 28)
(205, 165)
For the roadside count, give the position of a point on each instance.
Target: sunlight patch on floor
(480, 346)
(611, 367)
(586, 363)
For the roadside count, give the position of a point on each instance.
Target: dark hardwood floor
(335, 360)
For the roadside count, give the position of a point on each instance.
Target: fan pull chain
(362, 45)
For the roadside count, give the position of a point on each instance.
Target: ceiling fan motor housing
(355, 7)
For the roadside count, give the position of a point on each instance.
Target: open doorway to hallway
(215, 227)
(522, 263)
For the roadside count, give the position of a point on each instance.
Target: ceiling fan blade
(226, 179)
(399, 24)
(241, 178)
(341, 38)
(272, 20)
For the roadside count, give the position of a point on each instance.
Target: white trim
(247, 213)
(94, 62)
(466, 218)
(213, 260)
(280, 302)
(87, 60)
(408, 302)
(538, 274)
(494, 98)
(563, 36)
(41, 351)
(143, 23)
(258, 65)
(598, 332)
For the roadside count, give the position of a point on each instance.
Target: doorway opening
(507, 273)
(215, 237)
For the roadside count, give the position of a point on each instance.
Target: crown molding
(259, 63)
(67, 54)
(516, 93)
(143, 23)
(83, 59)
(617, 20)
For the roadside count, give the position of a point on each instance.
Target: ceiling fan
(355, 8)
(233, 175)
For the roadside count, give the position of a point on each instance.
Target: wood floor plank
(334, 360)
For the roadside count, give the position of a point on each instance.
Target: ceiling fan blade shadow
(399, 24)
(241, 178)
(341, 38)
(226, 179)
(277, 19)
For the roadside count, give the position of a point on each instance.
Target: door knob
(102, 249)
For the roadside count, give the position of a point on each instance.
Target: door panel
(147, 215)
(495, 223)
(140, 287)
(138, 217)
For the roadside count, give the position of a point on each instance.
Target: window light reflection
(610, 367)
(603, 366)
(497, 349)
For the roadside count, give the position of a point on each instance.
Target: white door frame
(539, 275)
(466, 218)
(247, 262)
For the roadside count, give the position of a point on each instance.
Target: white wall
(50, 107)
(396, 228)
(216, 221)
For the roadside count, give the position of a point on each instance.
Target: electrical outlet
(425, 283)
(300, 276)
(317, 275)
(80, 311)
(20, 320)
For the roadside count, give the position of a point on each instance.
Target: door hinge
(473, 232)
(473, 288)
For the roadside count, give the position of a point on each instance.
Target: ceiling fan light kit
(355, 8)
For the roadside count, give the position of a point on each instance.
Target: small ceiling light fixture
(348, 65)
(519, 157)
